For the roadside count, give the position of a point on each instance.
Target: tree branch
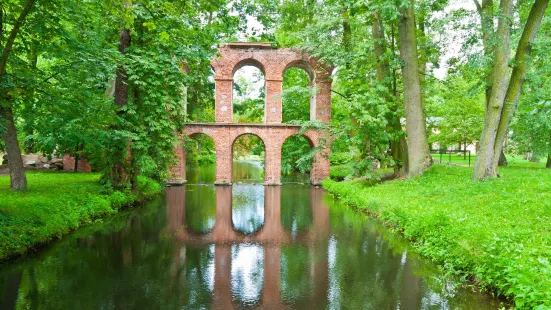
(478, 7)
(13, 34)
(336, 92)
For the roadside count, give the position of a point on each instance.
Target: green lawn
(512, 160)
(497, 231)
(55, 204)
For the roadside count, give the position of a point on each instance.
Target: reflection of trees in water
(296, 278)
(247, 207)
(200, 208)
(296, 213)
(247, 274)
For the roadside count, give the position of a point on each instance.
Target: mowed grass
(55, 204)
(512, 160)
(498, 232)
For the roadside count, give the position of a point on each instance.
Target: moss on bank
(496, 231)
(55, 204)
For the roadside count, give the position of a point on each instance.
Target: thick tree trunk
(548, 164)
(18, 179)
(119, 174)
(418, 146)
(484, 166)
(398, 146)
(505, 94)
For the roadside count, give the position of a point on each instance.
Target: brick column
(321, 104)
(272, 164)
(320, 166)
(223, 100)
(178, 172)
(224, 160)
(273, 105)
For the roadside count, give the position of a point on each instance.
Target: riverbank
(495, 232)
(55, 204)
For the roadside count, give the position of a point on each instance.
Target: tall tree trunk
(119, 174)
(416, 127)
(398, 145)
(422, 57)
(505, 93)
(486, 12)
(548, 164)
(18, 179)
(484, 166)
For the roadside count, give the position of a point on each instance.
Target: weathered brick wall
(69, 164)
(272, 135)
(272, 62)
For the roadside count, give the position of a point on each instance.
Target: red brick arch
(273, 62)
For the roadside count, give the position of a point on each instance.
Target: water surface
(243, 246)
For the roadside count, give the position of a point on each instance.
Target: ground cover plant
(55, 204)
(496, 232)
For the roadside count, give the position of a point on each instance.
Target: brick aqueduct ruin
(273, 133)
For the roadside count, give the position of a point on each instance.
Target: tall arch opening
(200, 159)
(297, 94)
(249, 93)
(248, 159)
(297, 157)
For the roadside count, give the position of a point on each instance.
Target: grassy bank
(55, 204)
(497, 232)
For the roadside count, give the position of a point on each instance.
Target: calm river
(243, 246)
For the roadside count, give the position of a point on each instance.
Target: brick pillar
(322, 101)
(178, 172)
(320, 166)
(223, 100)
(273, 108)
(272, 164)
(224, 160)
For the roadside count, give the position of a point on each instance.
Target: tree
(18, 179)
(418, 148)
(505, 88)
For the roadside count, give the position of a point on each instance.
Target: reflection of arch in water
(248, 209)
(247, 275)
(200, 213)
(244, 175)
(271, 237)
